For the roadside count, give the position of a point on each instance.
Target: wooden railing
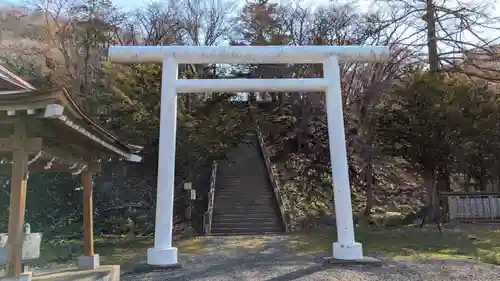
(207, 216)
(272, 172)
(473, 206)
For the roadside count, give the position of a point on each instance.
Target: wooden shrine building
(42, 131)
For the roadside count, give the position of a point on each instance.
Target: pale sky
(363, 5)
(133, 4)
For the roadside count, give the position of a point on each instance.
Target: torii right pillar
(346, 249)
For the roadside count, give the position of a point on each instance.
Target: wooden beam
(33, 144)
(94, 167)
(63, 154)
(39, 167)
(88, 224)
(19, 180)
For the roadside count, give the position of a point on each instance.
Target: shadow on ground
(274, 261)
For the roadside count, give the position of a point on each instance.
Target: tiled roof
(10, 82)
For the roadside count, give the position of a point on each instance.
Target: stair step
(245, 190)
(257, 177)
(243, 201)
(249, 203)
(246, 233)
(242, 214)
(255, 192)
(230, 197)
(245, 156)
(244, 205)
(250, 179)
(237, 160)
(246, 210)
(249, 164)
(242, 197)
(237, 170)
(246, 230)
(247, 219)
(254, 195)
(234, 186)
(243, 224)
(238, 187)
(254, 220)
(242, 161)
(246, 193)
(243, 187)
(238, 201)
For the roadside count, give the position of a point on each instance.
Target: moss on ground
(114, 250)
(476, 242)
(481, 243)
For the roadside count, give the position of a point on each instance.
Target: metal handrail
(207, 216)
(271, 171)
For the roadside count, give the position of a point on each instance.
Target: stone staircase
(244, 200)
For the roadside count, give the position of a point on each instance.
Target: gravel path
(269, 259)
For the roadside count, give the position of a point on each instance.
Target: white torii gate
(163, 253)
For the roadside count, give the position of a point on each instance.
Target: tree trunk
(443, 179)
(431, 36)
(443, 184)
(251, 97)
(431, 191)
(370, 181)
(274, 97)
(282, 100)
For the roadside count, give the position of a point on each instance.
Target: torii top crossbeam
(246, 54)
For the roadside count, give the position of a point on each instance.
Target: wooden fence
(476, 206)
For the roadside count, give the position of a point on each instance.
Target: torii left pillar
(163, 253)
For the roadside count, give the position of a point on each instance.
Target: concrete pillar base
(163, 256)
(347, 251)
(26, 276)
(88, 262)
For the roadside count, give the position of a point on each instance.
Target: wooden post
(19, 180)
(88, 224)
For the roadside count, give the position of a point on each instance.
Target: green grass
(400, 243)
(411, 243)
(115, 250)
